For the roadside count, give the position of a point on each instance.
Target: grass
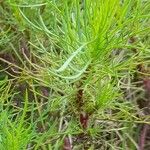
(71, 74)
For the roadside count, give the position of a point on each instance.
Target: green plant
(72, 72)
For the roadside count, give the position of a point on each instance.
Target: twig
(143, 136)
